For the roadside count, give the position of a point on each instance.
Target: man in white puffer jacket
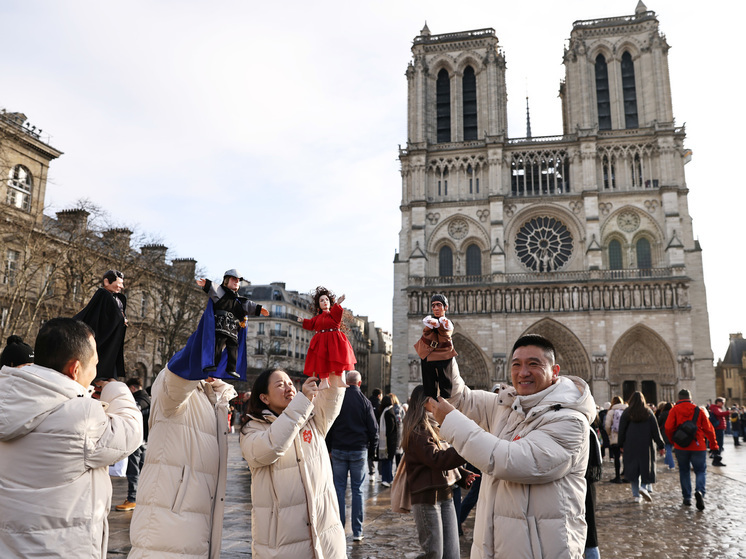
(531, 443)
(56, 443)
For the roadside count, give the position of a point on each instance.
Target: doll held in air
(329, 351)
(435, 349)
(230, 318)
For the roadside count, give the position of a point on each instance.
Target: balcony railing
(546, 277)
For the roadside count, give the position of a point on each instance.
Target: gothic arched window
(20, 186)
(445, 262)
(603, 102)
(628, 91)
(473, 261)
(644, 258)
(469, 91)
(443, 105)
(615, 255)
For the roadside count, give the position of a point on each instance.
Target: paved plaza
(663, 529)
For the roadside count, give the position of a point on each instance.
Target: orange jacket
(684, 411)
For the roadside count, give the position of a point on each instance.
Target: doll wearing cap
(230, 315)
(435, 349)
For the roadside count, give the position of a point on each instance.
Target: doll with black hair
(435, 349)
(330, 351)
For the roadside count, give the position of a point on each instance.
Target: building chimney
(185, 267)
(154, 253)
(74, 220)
(117, 238)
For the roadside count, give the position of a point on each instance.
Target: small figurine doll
(230, 317)
(435, 349)
(330, 350)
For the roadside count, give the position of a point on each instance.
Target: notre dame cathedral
(584, 237)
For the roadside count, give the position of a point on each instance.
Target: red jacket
(721, 414)
(684, 411)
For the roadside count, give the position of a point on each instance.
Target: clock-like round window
(544, 244)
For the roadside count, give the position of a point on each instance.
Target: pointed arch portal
(571, 356)
(471, 363)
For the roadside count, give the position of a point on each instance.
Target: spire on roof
(425, 31)
(528, 120)
(641, 8)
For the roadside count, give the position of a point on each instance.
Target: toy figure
(105, 314)
(230, 318)
(435, 349)
(330, 350)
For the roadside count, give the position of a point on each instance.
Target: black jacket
(355, 427)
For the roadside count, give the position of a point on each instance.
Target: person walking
(351, 435)
(611, 424)
(664, 409)
(389, 437)
(638, 430)
(694, 455)
(295, 512)
(722, 415)
(136, 460)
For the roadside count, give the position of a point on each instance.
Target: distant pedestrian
(16, 353)
(375, 401)
(295, 512)
(389, 437)
(611, 424)
(136, 460)
(693, 456)
(735, 425)
(663, 410)
(722, 416)
(352, 434)
(638, 430)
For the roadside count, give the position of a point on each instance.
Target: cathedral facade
(584, 237)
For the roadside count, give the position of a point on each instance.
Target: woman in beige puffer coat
(295, 510)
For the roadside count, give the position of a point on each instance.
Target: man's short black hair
(133, 382)
(112, 275)
(538, 341)
(684, 394)
(62, 340)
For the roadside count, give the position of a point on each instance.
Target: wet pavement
(663, 529)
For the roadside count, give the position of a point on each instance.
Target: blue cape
(191, 361)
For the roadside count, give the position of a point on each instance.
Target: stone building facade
(53, 265)
(584, 237)
(730, 373)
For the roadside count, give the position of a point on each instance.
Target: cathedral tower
(584, 237)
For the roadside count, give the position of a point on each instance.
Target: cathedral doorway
(471, 363)
(642, 361)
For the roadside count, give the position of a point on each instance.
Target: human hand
(299, 319)
(470, 477)
(264, 312)
(440, 408)
(98, 386)
(201, 282)
(310, 388)
(341, 299)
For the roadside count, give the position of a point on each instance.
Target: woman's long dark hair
(255, 405)
(416, 417)
(638, 409)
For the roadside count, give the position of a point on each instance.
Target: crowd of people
(527, 454)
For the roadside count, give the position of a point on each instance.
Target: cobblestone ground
(663, 529)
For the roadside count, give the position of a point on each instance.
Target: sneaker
(127, 505)
(616, 480)
(687, 502)
(646, 495)
(385, 484)
(637, 499)
(700, 500)
(357, 538)
(718, 463)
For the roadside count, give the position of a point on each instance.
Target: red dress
(329, 350)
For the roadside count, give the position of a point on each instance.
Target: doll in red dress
(330, 350)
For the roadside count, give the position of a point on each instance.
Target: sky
(264, 135)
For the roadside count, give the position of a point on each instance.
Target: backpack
(687, 431)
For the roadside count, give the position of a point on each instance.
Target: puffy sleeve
(264, 446)
(310, 323)
(337, 311)
(478, 405)
(176, 392)
(122, 429)
(326, 407)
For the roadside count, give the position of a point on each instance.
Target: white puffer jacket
(56, 444)
(181, 492)
(295, 512)
(532, 499)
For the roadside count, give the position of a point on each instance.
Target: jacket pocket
(181, 490)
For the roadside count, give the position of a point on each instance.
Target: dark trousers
(231, 347)
(135, 463)
(434, 377)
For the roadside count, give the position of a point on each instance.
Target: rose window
(543, 244)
